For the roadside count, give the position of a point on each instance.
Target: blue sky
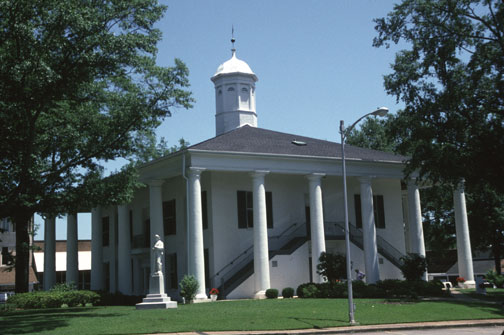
(314, 59)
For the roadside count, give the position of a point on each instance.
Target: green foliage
(80, 86)
(288, 292)
(332, 267)
(390, 288)
(272, 293)
(450, 79)
(495, 278)
(188, 287)
(63, 287)
(413, 266)
(374, 133)
(54, 299)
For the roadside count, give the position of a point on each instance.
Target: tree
(413, 267)
(451, 82)
(79, 86)
(332, 266)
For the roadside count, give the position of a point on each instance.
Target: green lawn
(238, 315)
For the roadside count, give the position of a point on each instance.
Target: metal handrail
(245, 257)
(384, 247)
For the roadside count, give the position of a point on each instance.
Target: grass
(493, 294)
(239, 315)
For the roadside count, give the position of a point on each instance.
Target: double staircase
(242, 266)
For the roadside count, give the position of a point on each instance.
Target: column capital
(460, 186)
(366, 179)
(155, 182)
(259, 173)
(315, 176)
(195, 171)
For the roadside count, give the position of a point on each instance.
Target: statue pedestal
(156, 297)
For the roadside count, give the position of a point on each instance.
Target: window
(207, 267)
(6, 256)
(105, 231)
(378, 211)
(146, 230)
(173, 271)
(169, 217)
(204, 209)
(4, 225)
(244, 89)
(230, 89)
(246, 209)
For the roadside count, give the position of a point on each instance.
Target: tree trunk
(23, 247)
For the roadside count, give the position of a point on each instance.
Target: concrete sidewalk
(357, 328)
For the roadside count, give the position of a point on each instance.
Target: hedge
(389, 288)
(53, 299)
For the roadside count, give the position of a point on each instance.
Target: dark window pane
(204, 209)
(242, 209)
(169, 217)
(358, 213)
(379, 212)
(105, 231)
(269, 209)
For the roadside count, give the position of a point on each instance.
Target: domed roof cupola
(234, 94)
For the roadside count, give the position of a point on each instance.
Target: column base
(467, 284)
(260, 294)
(201, 298)
(156, 301)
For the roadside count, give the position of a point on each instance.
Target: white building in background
(251, 209)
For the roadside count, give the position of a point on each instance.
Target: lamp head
(381, 111)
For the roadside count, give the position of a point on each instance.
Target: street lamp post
(382, 111)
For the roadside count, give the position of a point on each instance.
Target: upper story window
(105, 231)
(244, 89)
(4, 225)
(378, 211)
(246, 209)
(231, 89)
(170, 217)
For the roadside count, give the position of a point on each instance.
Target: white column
(317, 223)
(123, 250)
(156, 228)
(369, 232)
(416, 234)
(49, 253)
(261, 252)
(197, 260)
(96, 250)
(72, 261)
(464, 255)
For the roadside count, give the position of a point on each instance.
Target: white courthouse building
(252, 209)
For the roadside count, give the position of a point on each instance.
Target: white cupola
(234, 95)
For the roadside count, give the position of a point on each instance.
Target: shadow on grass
(36, 321)
(311, 321)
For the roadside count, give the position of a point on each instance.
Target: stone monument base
(156, 301)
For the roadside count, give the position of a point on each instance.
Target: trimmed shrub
(495, 278)
(188, 288)
(288, 292)
(413, 266)
(53, 299)
(272, 293)
(310, 291)
(332, 266)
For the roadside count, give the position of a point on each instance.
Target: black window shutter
(381, 212)
(242, 208)
(269, 209)
(250, 209)
(204, 209)
(358, 213)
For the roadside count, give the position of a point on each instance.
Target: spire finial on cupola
(233, 50)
